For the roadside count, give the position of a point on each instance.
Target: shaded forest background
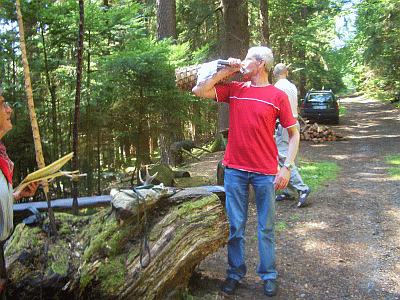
(130, 110)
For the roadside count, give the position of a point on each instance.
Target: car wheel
(336, 121)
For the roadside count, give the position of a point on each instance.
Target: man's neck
(279, 77)
(260, 80)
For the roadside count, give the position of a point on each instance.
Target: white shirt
(291, 90)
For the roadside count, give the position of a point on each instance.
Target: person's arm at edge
(283, 176)
(206, 88)
(28, 191)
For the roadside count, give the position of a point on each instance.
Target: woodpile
(319, 134)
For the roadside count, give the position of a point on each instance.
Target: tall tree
(77, 103)
(32, 114)
(166, 19)
(302, 54)
(264, 11)
(234, 43)
(235, 30)
(52, 90)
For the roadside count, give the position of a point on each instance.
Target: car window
(320, 98)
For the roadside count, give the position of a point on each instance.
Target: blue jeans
(237, 190)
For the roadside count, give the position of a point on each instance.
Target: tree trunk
(77, 102)
(143, 149)
(89, 147)
(166, 28)
(166, 19)
(264, 9)
(32, 114)
(234, 43)
(302, 55)
(52, 91)
(235, 31)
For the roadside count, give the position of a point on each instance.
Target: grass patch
(393, 171)
(314, 174)
(342, 111)
(281, 226)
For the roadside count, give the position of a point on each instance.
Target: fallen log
(147, 258)
(185, 146)
(194, 181)
(185, 237)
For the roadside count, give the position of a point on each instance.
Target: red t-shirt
(253, 112)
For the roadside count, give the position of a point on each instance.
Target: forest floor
(345, 244)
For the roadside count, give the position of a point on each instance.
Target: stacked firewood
(319, 134)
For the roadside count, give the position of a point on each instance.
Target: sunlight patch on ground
(340, 157)
(306, 227)
(395, 179)
(375, 136)
(357, 191)
(360, 99)
(372, 176)
(380, 179)
(319, 145)
(312, 245)
(394, 214)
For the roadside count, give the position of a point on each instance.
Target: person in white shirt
(296, 184)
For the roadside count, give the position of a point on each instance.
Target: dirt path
(346, 243)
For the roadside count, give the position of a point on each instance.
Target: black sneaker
(230, 285)
(303, 197)
(270, 287)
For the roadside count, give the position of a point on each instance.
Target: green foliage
(377, 45)
(197, 24)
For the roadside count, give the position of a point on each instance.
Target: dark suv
(320, 105)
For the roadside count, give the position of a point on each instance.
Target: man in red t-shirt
(251, 157)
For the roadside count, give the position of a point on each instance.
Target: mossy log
(104, 261)
(186, 182)
(180, 241)
(193, 225)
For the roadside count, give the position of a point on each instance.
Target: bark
(234, 43)
(89, 142)
(77, 103)
(302, 54)
(184, 239)
(32, 113)
(264, 9)
(143, 147)
(186, 182)
(166, 19)
(235, 31)
(52, 90)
